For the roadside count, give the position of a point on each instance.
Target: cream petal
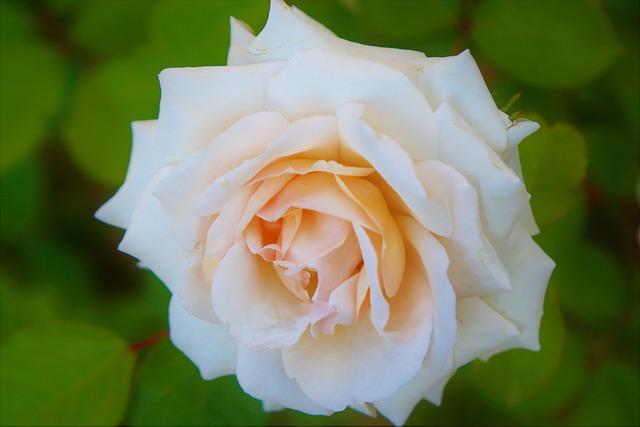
(398, 407)
(304, 166)
(501, 192)
(152, 239)
(426, 252)
(394, 164)
(248, 295)
(480, 330)
(530, 269)
(318, 81)
(317, 236)
(247, 138)
(208, 345)
(475, 268)
(119, 209)
(261, 374)
(457, 81)
(241, 36)
(311, 137)
(357, 364)
(198, 104)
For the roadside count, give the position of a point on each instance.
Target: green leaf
(31, 77)
(611, 398)
(508, 376)
(403, 19)
(110, 27)
(65, 374)
(546, 43)
(21, 193)
(591, 284)
(170, 392)
(554, 163)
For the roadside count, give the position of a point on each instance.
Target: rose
(339, 225)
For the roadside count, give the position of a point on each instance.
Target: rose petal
(457, 81)
(367, 196)
(311, 137)
(394, 165)
(398, 407)
(119, 209)
(208, 345)
(530, 269)
(261, 374)
(480, 329)
(318, 81)
(475, 269)
(501, 192)
(151, 237)
(192, 96)
(357, 364)
(304, 166)
(248, 295)
(317, 235)
(195, 287)
(426, 252)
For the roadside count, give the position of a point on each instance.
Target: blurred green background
(75, 313)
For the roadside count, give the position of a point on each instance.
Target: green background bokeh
(75, 313)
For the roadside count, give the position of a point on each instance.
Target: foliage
(74, 73)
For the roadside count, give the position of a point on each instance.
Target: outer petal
(394, 164)
(475, 268)
(289, 30)
(398, 407)
(119, 209)
(152, 239)
(208, 345)
(192, 97)
(195, 287)
(248, 295)
(501, 192)
(457, 81)
(530, 269)
(358, 365)
(480, 330)
(261, 374)
(318, 81)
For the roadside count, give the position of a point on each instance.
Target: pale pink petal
(394, 164)
(208, 345)
(249, 296)
(119, 209)
(357, 364)
(304, 166)
(318, 192)
(475, 268)
(371, 200)
(530, 269)
(223, 231)
(426, 252)
(152, 239)
(501, 192)
(480, 330)
(195, 287)
(311, 137)
(457, 81)
(261, 374)
(318, 81)
(247, 138)
(317, 235)
(191, 97)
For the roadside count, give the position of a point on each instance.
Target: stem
(148, 341)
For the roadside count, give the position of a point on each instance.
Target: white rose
(340, 225)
